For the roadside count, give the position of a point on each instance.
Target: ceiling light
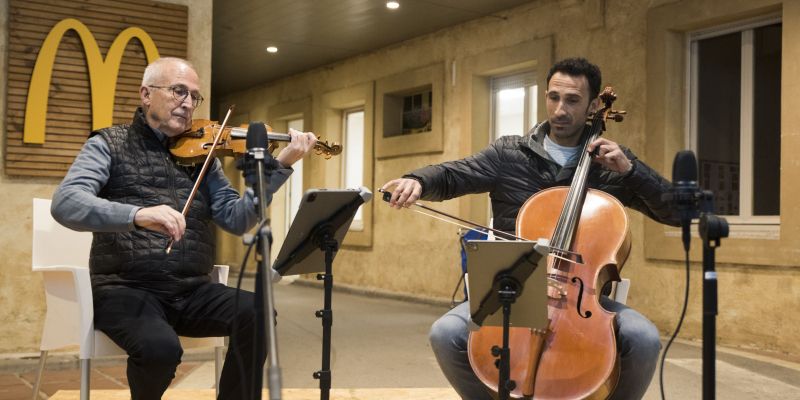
(272, 49)
(392, 5)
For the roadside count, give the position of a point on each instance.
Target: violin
(192, 146)
(206, 139)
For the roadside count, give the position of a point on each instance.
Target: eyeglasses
(180, 92)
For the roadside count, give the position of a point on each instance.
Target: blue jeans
(637, 341)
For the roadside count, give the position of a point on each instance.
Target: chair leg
(86, 370)
(219, 353)
(42, 360)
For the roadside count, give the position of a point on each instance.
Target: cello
(575, 356)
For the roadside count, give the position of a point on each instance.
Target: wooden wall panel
(69, 115)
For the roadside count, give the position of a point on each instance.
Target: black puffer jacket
(144, 174)
(513, 168)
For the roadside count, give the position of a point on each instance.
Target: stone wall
(633, 41)
(415, 255)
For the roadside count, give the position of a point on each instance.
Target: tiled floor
(19, 386)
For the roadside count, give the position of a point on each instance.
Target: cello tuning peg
(615, 115)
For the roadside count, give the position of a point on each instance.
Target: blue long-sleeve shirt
(77, 206)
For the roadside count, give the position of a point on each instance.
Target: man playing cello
(514, 168)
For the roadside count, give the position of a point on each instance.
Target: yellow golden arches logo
(102, 75)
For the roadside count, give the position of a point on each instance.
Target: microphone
(258, 166)
(684, 169)
(257, 146)
(685, 191)
(256, 137)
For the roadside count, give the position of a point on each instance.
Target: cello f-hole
(588, 313)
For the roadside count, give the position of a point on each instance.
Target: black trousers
(147, 326)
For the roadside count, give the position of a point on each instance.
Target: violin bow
(562, 254)
(387, 196)
(203, 171)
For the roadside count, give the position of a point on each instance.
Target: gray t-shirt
(563, 155)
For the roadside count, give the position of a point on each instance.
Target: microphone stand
(510, 289)
(712, 228)
(266, 322)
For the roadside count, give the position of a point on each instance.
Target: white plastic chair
(62, 255)
(619, 290)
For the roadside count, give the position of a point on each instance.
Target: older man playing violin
(126, 188)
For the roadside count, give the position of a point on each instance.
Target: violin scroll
(327, 150)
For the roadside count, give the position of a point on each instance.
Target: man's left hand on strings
(301, 144)
(610, 155)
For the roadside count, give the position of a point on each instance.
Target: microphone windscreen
(684, 168)
(256, 136)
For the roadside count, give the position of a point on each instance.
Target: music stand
(499, 271)
(313, 239)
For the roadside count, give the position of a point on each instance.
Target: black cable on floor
(677, 329)
(235, 327)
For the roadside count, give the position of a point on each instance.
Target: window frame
(328, 112)
(528, 78)
(356, 225)
(766, 223)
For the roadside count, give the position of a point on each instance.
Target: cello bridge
(559, 289)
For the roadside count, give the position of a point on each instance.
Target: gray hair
(155, 69)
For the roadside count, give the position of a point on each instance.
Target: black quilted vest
(143, 173)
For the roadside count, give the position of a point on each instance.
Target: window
(734, 117)
(513, 104)
(409, 112)
(417, 112)
(354, 157)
